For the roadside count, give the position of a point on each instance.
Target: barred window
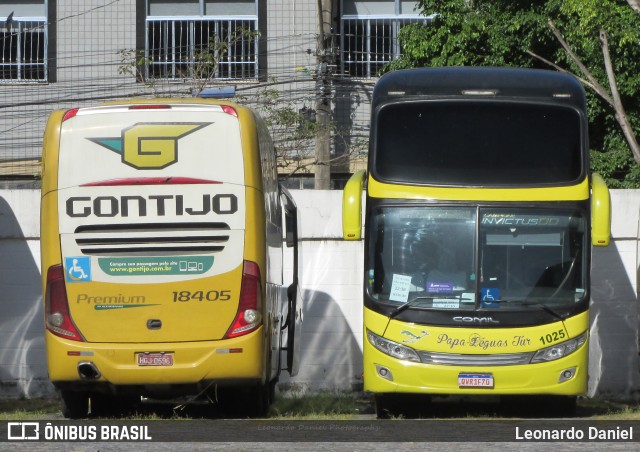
(369, 34)
(24, 35)
(201, 39)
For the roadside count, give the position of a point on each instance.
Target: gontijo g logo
(149, 145)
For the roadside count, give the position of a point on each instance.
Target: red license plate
(155, 359)
(475, 381)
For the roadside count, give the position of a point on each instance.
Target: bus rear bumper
(173, 366)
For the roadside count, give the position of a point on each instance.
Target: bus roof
(478, 127)
(552, 86)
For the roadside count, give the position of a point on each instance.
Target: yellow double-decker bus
(480, 212)
(162, 226)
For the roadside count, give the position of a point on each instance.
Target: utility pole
(323, 96)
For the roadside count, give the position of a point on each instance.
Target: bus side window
(292, 229)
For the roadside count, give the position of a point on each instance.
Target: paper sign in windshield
(445, 303)
(400, 286)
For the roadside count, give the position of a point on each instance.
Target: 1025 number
(552, 337)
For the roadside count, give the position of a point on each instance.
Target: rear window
(478, 143)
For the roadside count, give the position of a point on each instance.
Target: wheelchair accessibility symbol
(78, 269)
(489, 296)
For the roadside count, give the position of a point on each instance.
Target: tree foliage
(514, 32)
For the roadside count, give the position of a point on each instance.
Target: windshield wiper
(500, 301)
(542, 306)
(407, 305)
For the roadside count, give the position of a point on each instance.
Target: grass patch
(319, 405)
(324, 405)
(27, 409)
(609, 410)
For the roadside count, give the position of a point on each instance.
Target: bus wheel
(387, 406)
(261, 400)
(107, 405)
(252, 401)
(562, 406)
(272, 391)
(410, 406)
(75, 405)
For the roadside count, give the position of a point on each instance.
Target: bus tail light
(57, 315)
(230, 110)
(70, 114)
(249, 316)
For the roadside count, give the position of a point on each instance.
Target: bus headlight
(559, 350)
(392, 348)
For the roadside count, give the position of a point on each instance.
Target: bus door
(293, 317)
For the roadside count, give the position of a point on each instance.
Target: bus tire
(261, 400)
(563, 406)
(410, 406)
(387, 406)
(107, 405)
(246, 402)
(74, 405)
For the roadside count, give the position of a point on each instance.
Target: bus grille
(149, 238)
(452, 359)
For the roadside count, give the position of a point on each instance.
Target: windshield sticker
(446, 303)
(400, 288)
(439, 287)
(78, 269)
(489, 296)
(468, 297)
(175, 265)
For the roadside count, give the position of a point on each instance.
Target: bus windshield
(477, 143)
(470, 258)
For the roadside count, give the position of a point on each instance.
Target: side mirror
(600, 211)
(352, 207)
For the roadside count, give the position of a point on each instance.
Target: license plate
(155, 359)
(475, 381)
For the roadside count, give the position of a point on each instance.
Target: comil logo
(149, 145)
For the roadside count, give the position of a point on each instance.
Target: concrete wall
(331, 278)
(614, 365)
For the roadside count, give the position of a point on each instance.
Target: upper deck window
(201, 38)
(369, 34)
(24, 34)
(478, 144)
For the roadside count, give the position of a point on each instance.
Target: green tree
(524, 33)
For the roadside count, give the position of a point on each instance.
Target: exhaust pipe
(88, 371)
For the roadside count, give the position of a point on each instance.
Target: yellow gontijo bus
(162, 255)
(479, 215)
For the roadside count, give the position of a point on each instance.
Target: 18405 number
(200, 295)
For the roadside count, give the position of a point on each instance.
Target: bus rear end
(153, 272)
